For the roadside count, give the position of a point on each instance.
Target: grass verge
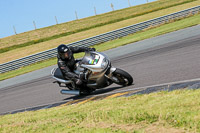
(191, 21)
(176, 111)
(50, 33)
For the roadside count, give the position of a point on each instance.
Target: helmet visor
(66, 55)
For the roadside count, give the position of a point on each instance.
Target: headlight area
(104, 63)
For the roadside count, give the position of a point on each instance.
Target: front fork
(110, 75)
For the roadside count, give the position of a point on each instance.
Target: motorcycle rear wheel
(123, 77)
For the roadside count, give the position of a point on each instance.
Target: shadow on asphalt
(97, 92)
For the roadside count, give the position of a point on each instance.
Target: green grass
(65, 29)
(194, 20)
(163, 111)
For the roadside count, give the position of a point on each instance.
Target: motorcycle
(100, 74)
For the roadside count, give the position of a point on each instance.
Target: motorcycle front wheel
(123, 78)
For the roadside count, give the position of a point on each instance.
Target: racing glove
(91, 49)
(83, 76)
(78, 81)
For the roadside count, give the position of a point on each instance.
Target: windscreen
(90, 59)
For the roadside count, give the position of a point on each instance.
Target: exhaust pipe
(70, 92)
(63, 81)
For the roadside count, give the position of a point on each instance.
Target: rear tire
(123, 77)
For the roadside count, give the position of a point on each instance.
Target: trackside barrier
(16, 64)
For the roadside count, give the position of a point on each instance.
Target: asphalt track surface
(176, 59)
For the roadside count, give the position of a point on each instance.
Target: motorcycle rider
(66, 62)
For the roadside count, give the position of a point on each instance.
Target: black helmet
(64, 52)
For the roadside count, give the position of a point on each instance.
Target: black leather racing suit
(67, 66)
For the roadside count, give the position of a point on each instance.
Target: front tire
(123, 78)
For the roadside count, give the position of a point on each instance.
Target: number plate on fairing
(94, 60)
